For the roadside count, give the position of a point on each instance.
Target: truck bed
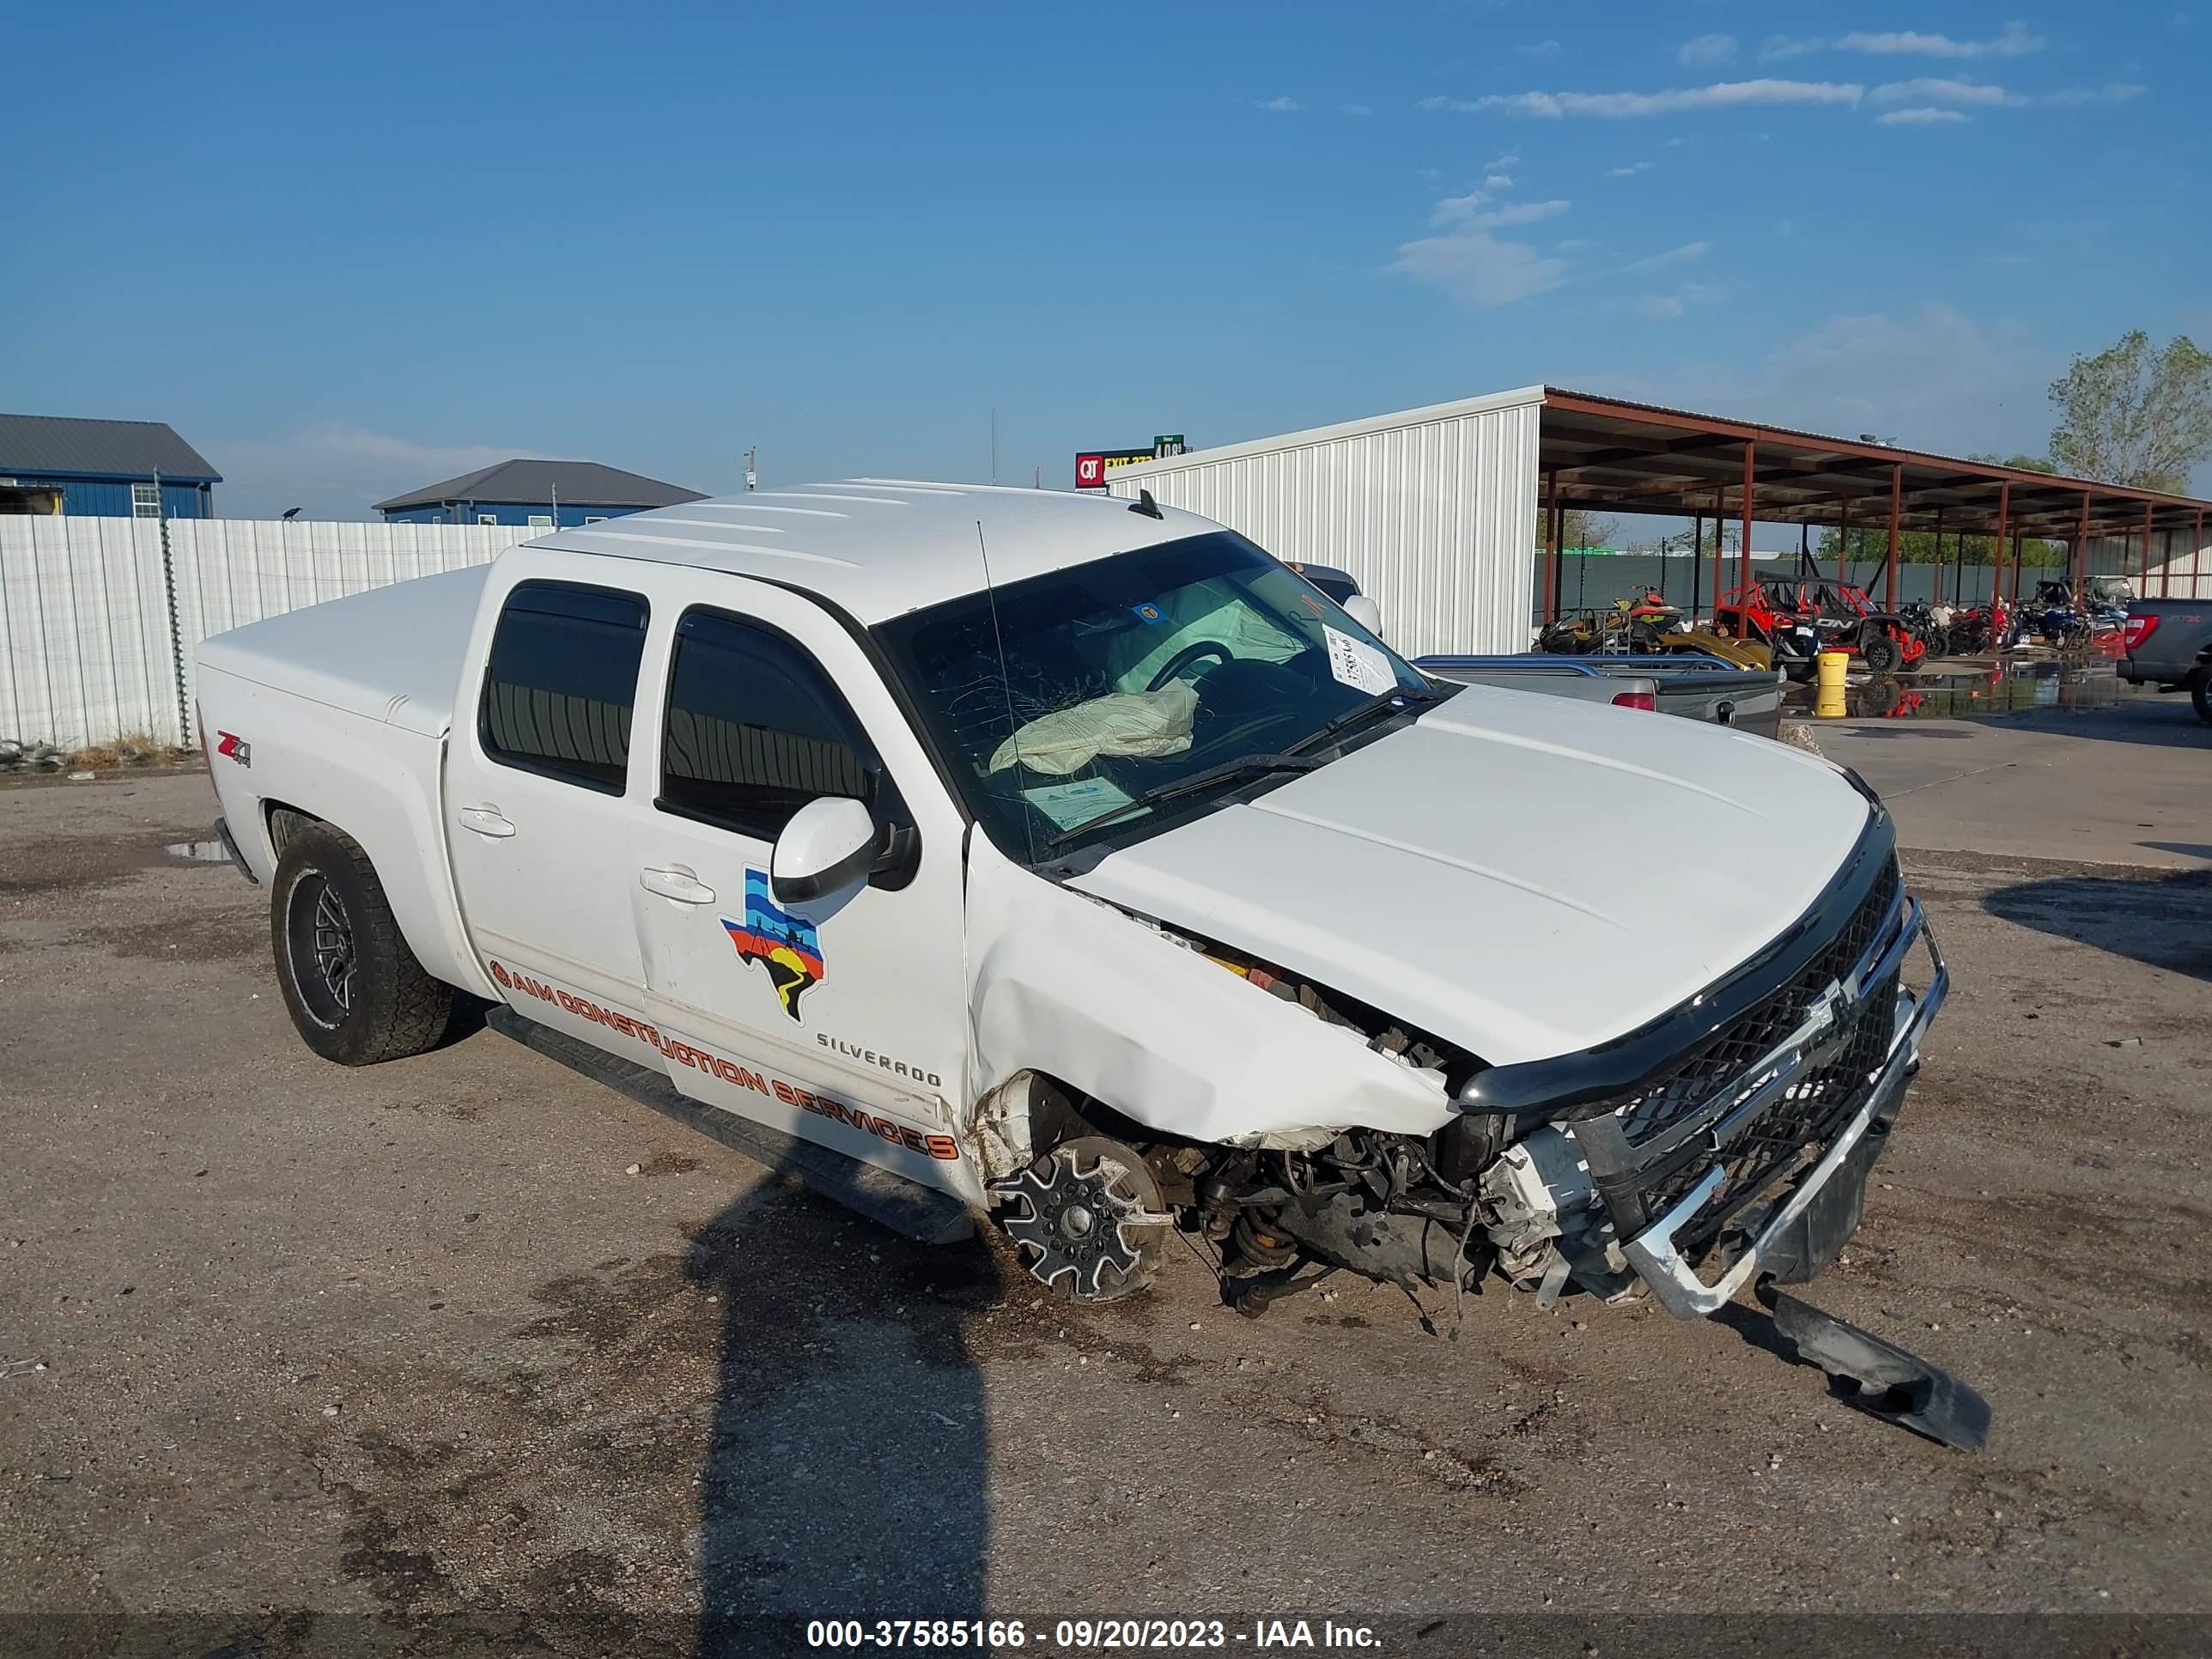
(392, 654)
(2167, 655)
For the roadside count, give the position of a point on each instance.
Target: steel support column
(2143, 585)
(2077, 558)
(1896, 511)
(1743, 544)
(1998, 549)
(1717, 566)
(1697, 565)
(1551, 537)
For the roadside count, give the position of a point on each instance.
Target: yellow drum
(1828, 703)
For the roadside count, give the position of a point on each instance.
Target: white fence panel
(84, 630)
(86, 650)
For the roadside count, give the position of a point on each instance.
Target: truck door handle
(486, 821)
(678, 884)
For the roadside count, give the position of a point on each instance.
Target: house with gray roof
(542, 494)
(59, 465)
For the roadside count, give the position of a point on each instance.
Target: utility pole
(556, 489)
(752, 476)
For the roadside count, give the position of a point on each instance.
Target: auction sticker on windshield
(1356, 664)
(1077, 802)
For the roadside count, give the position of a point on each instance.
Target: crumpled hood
(1522, 875)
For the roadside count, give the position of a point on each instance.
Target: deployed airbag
(1141, 724)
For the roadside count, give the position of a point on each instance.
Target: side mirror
(1364, 612)
(829, 844)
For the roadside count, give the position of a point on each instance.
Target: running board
(905, 1207)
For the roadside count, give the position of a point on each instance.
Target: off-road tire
(391, 1008)
(1881, 653)
(2200, 694)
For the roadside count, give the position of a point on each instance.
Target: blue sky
(347, 251)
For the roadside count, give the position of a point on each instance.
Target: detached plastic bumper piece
(1881, 1379)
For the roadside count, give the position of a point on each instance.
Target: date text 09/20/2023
(1263, 1636)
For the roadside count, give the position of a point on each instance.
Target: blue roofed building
(539, 495)
(57, 465)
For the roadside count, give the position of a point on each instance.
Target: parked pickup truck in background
(1689, 685)
(1142, 890)
(2167, 643)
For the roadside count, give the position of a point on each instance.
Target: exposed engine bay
(1741, 1160)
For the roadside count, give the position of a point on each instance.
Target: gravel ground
(289, 1344)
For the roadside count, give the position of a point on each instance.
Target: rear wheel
(2200, 693)
(1881, 653)
(353, 988)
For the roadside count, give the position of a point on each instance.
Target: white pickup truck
(984, 850)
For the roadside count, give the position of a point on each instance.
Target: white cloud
(1497, 181)
(1938, 91)
(1674, 256)
(332, 470)
(1618, 106)
(1922, 116)
(1541, 49)
(2014, 40)
(1476, 268)
(1706, 50)
(1659, 305)
(1353, 109)
(2117, 92)
(1936, 378)
(1472, 209)
(1282, 105)
(1630, 170)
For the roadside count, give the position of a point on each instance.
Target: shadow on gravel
(2162, 920)
(845, 1475)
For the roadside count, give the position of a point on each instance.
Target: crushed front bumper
(1803, 1228)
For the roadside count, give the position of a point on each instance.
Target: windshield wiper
(1373, 705)
(1191, 785)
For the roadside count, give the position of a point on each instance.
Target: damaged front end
(1730, 1140)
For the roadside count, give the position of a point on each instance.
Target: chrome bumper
(1652, 1252)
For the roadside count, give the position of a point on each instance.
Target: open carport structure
(1606, 452)
(1431, 508)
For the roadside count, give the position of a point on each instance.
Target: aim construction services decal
(781, 943)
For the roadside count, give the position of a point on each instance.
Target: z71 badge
(784, 945)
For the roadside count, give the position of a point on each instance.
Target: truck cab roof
(879, 548)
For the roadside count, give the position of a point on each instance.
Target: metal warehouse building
(54, 465)
(538, 495)
(1434, 510)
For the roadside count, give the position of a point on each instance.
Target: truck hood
(1522, 875)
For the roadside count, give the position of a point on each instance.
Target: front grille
(1809, 1115)
(1724, 1057)
(1644, 1184)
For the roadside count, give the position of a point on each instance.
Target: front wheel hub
(1088, 1218)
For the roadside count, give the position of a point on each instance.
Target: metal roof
(882, 547)
(1643, 458)
(579, 483)
(135, 449)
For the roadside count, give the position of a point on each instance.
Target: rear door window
(756, 730)
(563, 681)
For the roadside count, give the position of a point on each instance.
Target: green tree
(2136, 415)
(1869, 549)
(1581, 528)
(2018, 463)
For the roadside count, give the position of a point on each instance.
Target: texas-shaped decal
(783, 943)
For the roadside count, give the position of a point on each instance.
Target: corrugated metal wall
(1434, 520)
(2175, 572)
(86, 652)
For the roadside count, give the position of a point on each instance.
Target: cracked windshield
(1140, 685)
